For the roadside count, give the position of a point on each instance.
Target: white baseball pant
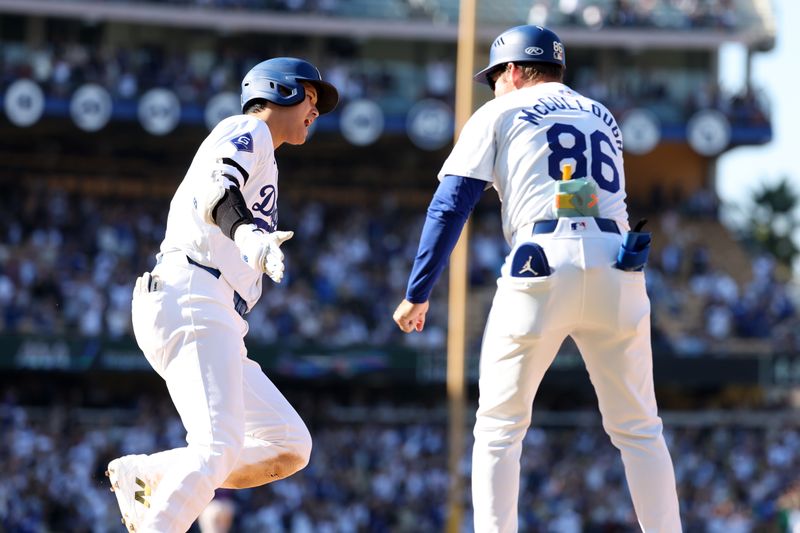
(241, 431)
(607, 313)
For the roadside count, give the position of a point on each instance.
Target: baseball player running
(574, 269)
(188, 313)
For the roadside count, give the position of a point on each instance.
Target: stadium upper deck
(624, 23)
(175, 66)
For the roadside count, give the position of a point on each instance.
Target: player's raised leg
(204, 380)
(277, 443)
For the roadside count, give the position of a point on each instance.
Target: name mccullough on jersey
(539, 129)
(570, 100)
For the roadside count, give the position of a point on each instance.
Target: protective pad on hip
(530, 261)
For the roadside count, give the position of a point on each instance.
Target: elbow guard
(231, 212)
(219, 201)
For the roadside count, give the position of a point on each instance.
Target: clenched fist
(410, 316)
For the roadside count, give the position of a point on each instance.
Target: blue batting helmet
(279, 81)
(523, 44)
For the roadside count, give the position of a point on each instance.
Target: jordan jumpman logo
(527, 267)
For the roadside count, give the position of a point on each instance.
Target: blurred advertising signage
(424, 365)
(430, 124)
(72, 354)
(90, 107)
(784, 370)
(80, 354)
(641, 131)
(708, 132)
(220, 107)
(159, 111)
(40, 354)
(23, 103)
(361, 122)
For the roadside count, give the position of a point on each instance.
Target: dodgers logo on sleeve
(243, 143)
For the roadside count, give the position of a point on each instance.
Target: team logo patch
(530, 262)
(578, 226)
(243, 143)
(534, 51)
(267, 207)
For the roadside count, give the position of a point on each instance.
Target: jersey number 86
(558, 132)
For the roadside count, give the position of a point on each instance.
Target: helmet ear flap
(289, 92)
(280, 81)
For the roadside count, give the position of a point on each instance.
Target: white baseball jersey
(520, 141)
(239, 427)
(560, 283)
(240, 146)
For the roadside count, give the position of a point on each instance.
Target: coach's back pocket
(617, 301)
(529, 261)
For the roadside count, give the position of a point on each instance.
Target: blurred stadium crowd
(594, 14)
(195, 76)
(376, 475)
(68, 264)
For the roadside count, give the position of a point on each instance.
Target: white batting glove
(261, 250)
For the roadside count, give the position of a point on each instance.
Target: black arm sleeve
(231, 212)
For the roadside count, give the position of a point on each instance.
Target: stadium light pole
(457, 304)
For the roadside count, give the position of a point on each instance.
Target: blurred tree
(774, 220)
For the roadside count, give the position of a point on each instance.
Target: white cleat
(132, 489)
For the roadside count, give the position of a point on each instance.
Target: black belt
(549, 226)
(239, 303)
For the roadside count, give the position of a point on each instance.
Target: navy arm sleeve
(452, 203)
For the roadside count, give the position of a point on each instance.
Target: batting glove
(261, 250)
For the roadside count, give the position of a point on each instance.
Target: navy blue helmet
(523, 44)
(279, 81)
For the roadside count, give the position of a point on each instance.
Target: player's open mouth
(307, 122)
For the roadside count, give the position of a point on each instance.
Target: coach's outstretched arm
(454, 200)
(221, 203)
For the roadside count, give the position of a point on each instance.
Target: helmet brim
(480, 77)
(327, 95)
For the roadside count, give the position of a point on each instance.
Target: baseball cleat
(132, 488)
